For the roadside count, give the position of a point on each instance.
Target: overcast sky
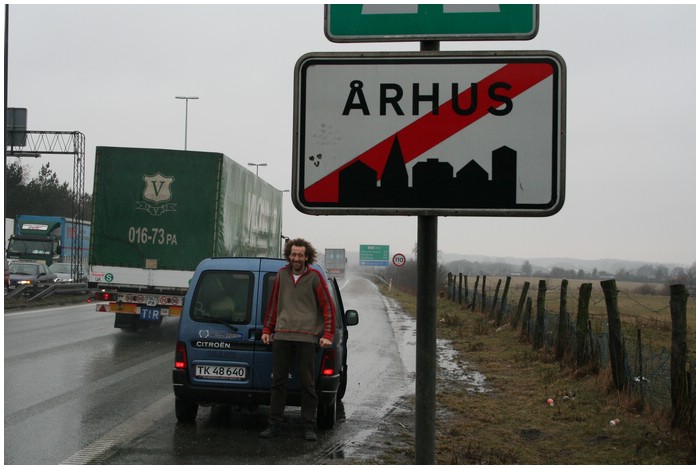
(112, 73)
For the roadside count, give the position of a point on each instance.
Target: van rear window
(223, 296)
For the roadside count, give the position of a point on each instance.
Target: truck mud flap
(126, 321)
(132, 322)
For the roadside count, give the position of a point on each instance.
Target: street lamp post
(187, 102)
(257, 166)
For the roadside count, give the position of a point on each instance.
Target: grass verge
(512, 422)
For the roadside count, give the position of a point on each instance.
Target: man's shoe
(310, 435)
(270, 432)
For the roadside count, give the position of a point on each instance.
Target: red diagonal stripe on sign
(430, 130)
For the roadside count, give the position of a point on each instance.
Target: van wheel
(185, 411)
(343, 382)
(325, 417)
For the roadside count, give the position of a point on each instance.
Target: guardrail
(16, 291)
(56, 288)
(372, 276)
(60, 288)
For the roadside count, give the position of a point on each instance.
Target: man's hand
(325, 343)
(267, 340)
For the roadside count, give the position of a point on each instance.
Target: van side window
(223, 296)
(338, 312)
(268, 283)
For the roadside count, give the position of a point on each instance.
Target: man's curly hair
(310, 250)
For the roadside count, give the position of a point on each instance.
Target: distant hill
(567, 263)
(538, 263)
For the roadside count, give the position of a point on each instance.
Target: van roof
(267, 264)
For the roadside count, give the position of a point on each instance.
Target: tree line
(41, 195)
(407, 275)
(657, 273)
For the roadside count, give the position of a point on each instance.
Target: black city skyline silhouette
(434, 183)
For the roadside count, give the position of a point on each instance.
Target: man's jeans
(282, 353)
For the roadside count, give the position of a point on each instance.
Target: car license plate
(220, 372)
(150, 314)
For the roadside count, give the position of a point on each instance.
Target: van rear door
(223, 328)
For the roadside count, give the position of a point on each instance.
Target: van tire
(343, 382)
(326, 415)
(185, 411)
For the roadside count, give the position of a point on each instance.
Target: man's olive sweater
(300, 311)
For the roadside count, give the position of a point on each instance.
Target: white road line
(98, 451)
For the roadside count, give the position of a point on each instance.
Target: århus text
(391, 94)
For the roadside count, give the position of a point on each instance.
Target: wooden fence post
(680, 402)
(521, 304)
(449, 286)
(538, 340)
(459, 290)
(476, 288)
(495, 299)
(596, 359)
(483, 293)
(504, 300)
(617, 350)
(563, 330)
(640, 368)
(466, 290)
(525, 331)
(584, 298)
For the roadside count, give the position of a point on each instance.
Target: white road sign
(398, 260)
(438, 133)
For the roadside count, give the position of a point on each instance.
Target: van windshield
(223, 296)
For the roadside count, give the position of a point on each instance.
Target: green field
(512, 423)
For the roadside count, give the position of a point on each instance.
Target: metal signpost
(429, 134)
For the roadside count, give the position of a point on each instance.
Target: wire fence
(647, 341)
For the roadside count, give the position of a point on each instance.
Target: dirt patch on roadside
(393, 441)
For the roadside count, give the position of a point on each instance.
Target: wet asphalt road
(78, 391)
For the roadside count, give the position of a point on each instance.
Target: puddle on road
(370, 442)
(453, 370)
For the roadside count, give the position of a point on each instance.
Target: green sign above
(376, 255)
(433, 22)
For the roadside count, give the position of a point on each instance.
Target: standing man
(300, 317)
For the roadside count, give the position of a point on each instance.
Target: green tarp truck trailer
(158, 213)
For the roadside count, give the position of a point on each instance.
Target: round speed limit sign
(398, 259)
